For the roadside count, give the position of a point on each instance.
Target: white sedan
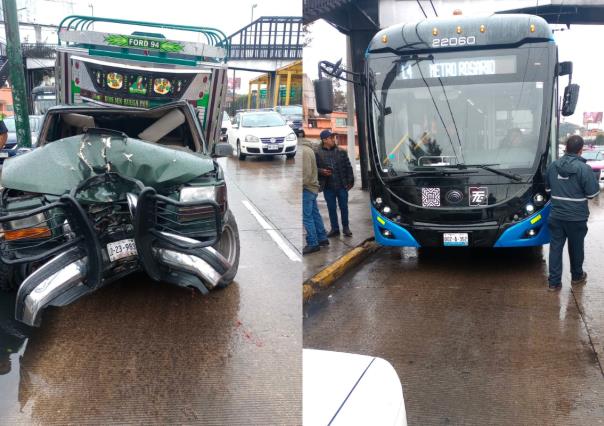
(350, 389)
(262, 133)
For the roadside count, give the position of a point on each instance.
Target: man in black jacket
(336, 179)
(570, 182)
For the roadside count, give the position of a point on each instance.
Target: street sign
(262, 93)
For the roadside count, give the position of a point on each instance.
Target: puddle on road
(13, 341)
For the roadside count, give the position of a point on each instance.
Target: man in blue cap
(336, 178)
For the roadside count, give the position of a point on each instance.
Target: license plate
(120, 249)
(271, 147)
(455, 239)
(3, 154)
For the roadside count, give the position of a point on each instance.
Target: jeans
(312, 220)
(560, 231)
(339, 196)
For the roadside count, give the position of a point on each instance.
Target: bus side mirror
(565, 68)
(571, 97)
(324, 95)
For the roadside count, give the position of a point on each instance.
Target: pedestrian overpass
(271, 45)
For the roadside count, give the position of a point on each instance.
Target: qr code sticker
(431, 197)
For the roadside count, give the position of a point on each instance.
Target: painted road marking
(275, 235)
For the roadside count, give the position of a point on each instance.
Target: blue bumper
(400, 236)
(514, 236)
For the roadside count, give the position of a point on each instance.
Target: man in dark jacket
(336, 179)
(570, 182)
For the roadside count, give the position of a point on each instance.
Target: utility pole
(352, 154)
(16, 73)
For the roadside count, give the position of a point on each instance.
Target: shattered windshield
(450, 109)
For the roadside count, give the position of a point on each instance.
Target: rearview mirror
(324, 95)
(565, 68)
(222, 149)
(571, 97)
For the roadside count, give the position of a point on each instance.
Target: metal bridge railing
(269, 37)
(39, 50)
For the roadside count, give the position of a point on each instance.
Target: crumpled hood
(569, 165)
(60, 166)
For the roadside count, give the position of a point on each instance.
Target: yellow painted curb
(328, 275)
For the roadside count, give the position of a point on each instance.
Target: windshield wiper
(488, 167)
(431, 172)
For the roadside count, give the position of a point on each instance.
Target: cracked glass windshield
(484, 108)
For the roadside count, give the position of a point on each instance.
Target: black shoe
(310, 249)
(347, 232)
(333, 233)
(554, 287)
(580, 281)
(324, 243)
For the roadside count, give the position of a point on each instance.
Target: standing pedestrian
(570, 182)
(313, 222)
(337, 178)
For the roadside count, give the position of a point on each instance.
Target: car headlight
(197, 193)
(30, 227)
(216, 193)
(291, 137)
(252, 138)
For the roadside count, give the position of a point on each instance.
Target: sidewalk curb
(330, 274)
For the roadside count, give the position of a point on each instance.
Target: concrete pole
(350, 107)
(16, 73)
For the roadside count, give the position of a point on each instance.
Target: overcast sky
(582, 45)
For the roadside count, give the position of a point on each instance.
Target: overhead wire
(433, 8)
(422, 8)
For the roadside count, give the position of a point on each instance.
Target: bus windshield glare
(448, 110)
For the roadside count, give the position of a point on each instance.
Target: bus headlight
(378, 202)
(539, 200)
(530, 208)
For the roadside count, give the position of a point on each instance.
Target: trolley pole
(16, 73)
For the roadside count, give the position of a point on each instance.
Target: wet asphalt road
(147, 353)
(474, 335)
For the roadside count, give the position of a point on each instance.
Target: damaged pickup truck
(110, 191)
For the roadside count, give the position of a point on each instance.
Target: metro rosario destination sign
(143, 43)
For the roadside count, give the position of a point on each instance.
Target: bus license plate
(120, 249)
(455, 239)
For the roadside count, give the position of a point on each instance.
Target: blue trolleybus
(462, 120)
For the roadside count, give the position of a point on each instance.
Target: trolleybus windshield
(452, 109)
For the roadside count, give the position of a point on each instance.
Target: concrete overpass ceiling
(586, 12)
(345, 15)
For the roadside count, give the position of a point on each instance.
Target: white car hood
(350, 389)
(266, 132)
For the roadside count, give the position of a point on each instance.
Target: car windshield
(445, 109)
(592, 155)
(291, 110)
(266, 119)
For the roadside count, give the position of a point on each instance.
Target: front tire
(229, 247)
(239, 153)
